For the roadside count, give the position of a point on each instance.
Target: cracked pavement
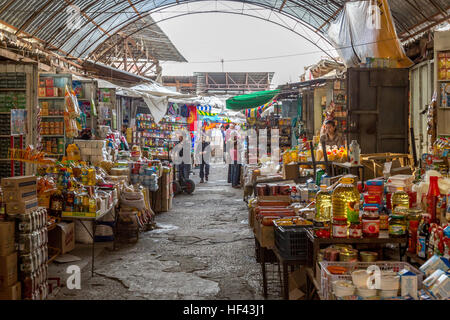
(203, 249)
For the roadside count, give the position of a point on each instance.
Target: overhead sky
(215, 36)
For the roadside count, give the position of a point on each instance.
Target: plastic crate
(292, 241)
(327, 279)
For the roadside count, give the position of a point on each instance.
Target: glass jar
(371, 224)
(397, 226)
(340, 227)
(355, 230)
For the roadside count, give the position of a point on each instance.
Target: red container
(412, 198)
(388, 201)
(49, 82)
(49, 92)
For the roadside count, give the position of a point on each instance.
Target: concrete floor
(203, 249)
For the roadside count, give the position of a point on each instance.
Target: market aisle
(204, 250)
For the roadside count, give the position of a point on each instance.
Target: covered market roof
(52, 21)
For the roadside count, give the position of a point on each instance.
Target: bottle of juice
(400, 199)
(323, 204)
(345, 201)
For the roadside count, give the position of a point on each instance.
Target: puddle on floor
(161, 228)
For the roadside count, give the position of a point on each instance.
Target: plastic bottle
(432, 198)
(354, 153)
(400, 199)
(345, 201)
(323, 204)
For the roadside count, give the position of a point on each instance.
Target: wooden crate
(374, 163)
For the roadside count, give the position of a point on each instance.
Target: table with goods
(335, 228)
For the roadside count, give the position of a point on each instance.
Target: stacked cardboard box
(9, 285)
(93, 151)
(30, 234)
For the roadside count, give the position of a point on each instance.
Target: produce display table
(349, 168)
(285, 264)
(384, 238)
(92, 235)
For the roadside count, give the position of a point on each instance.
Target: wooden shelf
(45, 98)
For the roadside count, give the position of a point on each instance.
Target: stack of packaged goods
(374, 201)
(33, 254)
(20, 196)
(404, 184)
(93, 151)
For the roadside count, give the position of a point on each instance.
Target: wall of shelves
(442, 81)
(51, 99)
(18, 90)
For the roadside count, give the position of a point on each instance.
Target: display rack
(51, 97)
(340, 101)
(87, 94)
(106, 109)
(157, 137)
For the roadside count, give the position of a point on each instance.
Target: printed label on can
(397, 230)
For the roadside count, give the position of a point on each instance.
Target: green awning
(252, 100)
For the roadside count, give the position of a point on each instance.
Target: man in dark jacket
(202, 152)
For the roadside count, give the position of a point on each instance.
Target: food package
(435, 263)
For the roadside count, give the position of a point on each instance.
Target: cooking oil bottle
(323, 204)
(345, 200)
(400, 199)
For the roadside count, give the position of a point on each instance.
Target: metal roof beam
(33, 16)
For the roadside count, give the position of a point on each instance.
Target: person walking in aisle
(204, 157)
(236, 163)
(228, 133)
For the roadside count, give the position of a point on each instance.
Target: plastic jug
(354, 153)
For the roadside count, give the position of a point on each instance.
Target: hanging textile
(192, 118)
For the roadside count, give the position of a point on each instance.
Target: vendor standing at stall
(183, 168)
(331, 136)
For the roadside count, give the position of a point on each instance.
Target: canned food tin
(368, 256)
(348, 255)
(25, 223)
(26, 263)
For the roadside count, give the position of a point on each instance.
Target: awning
(252, 100)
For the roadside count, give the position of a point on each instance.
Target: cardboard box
(41, 92)
(297, 279)
(62, 237)
(265, 235)
(18, 183)
(291, 172)
(22, 207)
(20, 195)
(13, 292)
(8, 270)
(408, 283)
(296, 294)
(7, 234)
